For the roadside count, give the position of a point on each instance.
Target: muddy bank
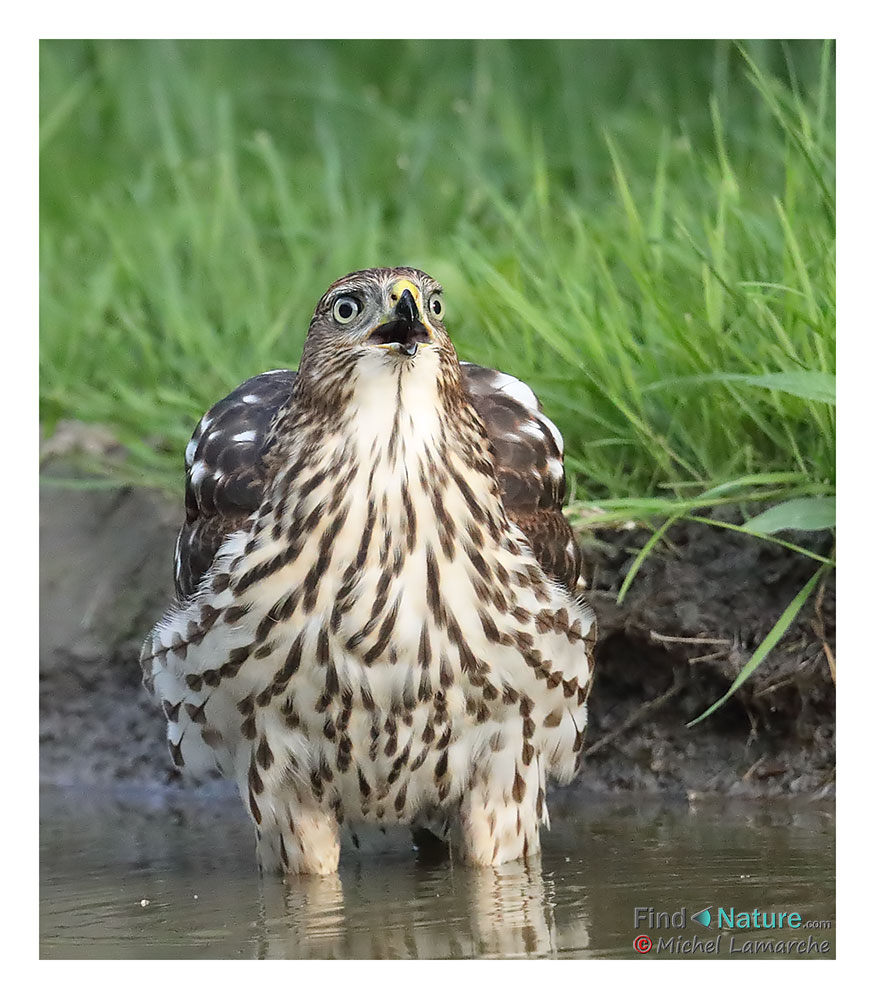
(695, 613)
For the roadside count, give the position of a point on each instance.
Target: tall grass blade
(767, 644)
(808, 513)
(815, 386)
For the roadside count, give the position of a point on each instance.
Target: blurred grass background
(643, 231)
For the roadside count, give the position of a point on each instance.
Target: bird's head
(385, 314)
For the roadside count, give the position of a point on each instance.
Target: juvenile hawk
(377, 615)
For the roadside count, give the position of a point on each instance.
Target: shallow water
(172, 876)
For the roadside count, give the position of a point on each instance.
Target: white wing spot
(198, 472)
(190, 449)
(251, 398)
(554, 468)
(244, 437)
(517, 390)
(554, 432)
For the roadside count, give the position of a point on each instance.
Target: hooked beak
(403, 328)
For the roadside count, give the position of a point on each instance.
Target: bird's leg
(302, 838)
(501, 823)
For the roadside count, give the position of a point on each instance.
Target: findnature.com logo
(729, 919)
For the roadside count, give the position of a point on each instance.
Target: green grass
(637, 229)
(643, 231)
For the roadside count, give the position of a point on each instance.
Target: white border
(256, 19)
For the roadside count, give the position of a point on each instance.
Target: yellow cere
(399, 288)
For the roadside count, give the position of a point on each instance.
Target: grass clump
(645, 259)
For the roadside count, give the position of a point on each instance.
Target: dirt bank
(696, 611)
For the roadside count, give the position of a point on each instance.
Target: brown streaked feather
(524, 443)
(225, 477)
(529, 465)
(553, 544)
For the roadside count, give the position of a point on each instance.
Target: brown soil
(725, 591)
(105, 558)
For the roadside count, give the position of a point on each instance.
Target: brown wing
(529, 463)
(225, 472)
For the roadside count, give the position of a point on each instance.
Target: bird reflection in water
(401, 911)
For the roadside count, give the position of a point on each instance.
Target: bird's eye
(346, 308)
(436, 304)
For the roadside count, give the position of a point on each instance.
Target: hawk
(378, 613)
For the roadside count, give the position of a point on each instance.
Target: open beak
(403, 328)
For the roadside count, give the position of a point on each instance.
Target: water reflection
(407, 912)
(155, 879)
(304, 918)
